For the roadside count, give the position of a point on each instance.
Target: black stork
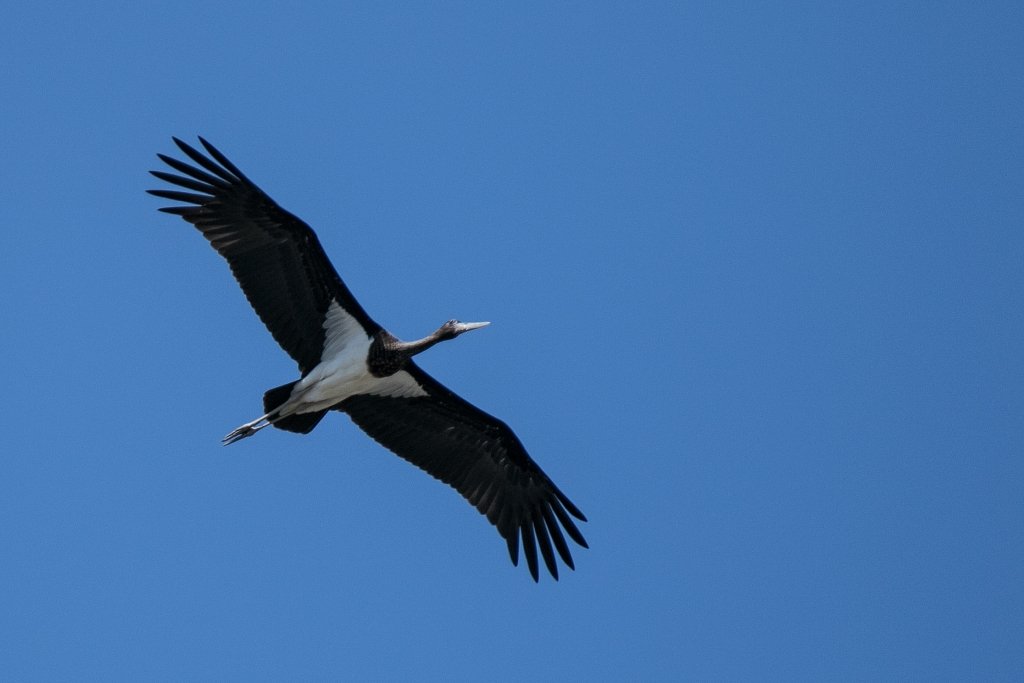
(351, 364)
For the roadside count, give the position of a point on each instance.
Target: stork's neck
(388, 354)
(410, 349)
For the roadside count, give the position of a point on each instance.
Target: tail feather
(302, 423)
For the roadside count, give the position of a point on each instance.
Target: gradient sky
(755, 273)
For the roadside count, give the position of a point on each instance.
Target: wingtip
(513, 548)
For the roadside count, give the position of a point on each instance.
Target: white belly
(334, 380)
(343, 372)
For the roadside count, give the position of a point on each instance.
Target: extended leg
(248, 429)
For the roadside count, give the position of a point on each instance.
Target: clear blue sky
(756, 275)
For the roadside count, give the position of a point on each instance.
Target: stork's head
(453, 328)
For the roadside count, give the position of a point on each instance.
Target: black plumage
(291, 284)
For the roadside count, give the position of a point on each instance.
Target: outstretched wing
(276, 258)
(480, 457)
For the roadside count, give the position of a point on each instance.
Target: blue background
(756, 274)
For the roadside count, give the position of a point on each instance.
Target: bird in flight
(349, 363)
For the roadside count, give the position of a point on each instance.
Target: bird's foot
(248, 429)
